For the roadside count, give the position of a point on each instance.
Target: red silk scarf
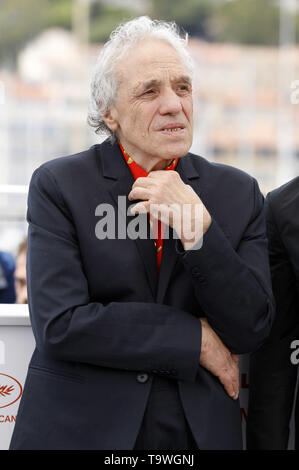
(157, 226)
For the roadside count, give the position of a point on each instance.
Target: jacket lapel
(116, 169)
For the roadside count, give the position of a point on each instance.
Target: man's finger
(140, 208)
(228, 386)
(139, 193)
(230, 380)
(235, 357)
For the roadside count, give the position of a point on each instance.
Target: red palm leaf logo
(6, 390)
(10, 390)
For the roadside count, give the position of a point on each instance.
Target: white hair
(104, 81)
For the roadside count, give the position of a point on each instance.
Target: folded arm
(233, 286)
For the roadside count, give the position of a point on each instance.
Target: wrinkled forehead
(151, 59)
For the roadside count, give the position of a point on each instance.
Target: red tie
(156, 225)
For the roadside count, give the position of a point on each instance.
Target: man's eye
(184, 87)
(148, 92)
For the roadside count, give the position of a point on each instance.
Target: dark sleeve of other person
(272, 376)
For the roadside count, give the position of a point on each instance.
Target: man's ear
(110, 119)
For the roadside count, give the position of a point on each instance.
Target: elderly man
(137, 337)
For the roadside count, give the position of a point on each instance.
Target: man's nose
(170, 102)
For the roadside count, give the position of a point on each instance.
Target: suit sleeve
(68, 326)
(272, 375)
(233, 286)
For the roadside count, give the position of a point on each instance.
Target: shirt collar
(136, 170)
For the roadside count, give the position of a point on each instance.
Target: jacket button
(195, 272)
(142, 378)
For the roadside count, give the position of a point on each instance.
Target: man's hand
(216, 358)
(166, 197)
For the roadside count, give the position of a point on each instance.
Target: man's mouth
(172, 129)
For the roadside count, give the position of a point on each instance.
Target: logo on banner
(10, 390)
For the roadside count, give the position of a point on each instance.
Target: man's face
(20, 279)
(152, 114)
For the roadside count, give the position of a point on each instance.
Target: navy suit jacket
(105, 323)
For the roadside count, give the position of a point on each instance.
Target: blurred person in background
(135, 350)
(272, 374)
(7, 288)
(20, 274)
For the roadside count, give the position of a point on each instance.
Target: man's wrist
(196, 241)
(204, 325)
